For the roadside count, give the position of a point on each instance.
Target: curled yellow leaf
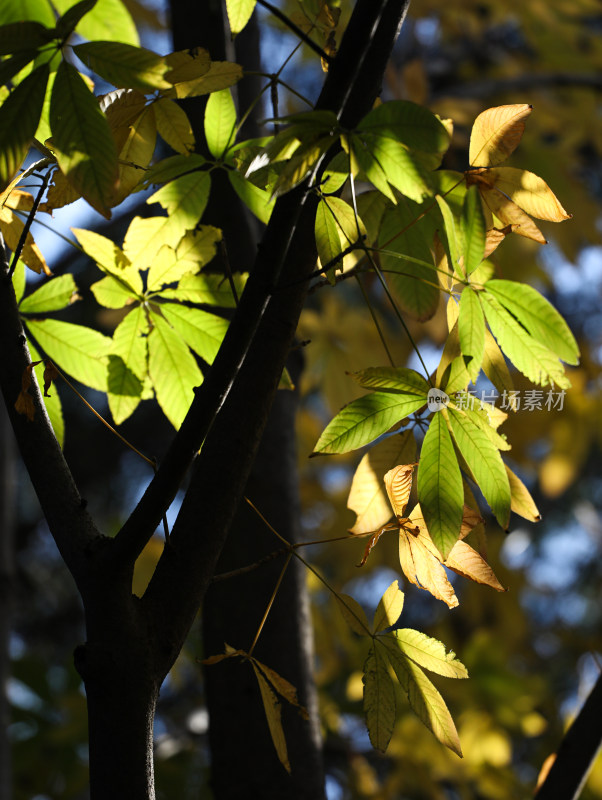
(398, 483)
(529, 192)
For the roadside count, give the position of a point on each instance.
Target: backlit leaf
(392, 379)
(187, 65)
(473, 229)
(496, 134)
(79, 351)
(174, 127)
(194, 250)
(12, 227)
(110, 258)
(124, 389)
(427, 652)
(424, 698)
(111, 293)
(471, 330)
(108, 20)
(367, 497)
(220, 75)
(379, 699)
(485, 463)
(538, 316)
(365, 419)
(521, 501)
(124, 65)
(201, 331)
(52, 400)
(354, 614)
(440, 491)
(389, 608)
(239, 13)
(510, 213)
(537, 362)
(495, 367)
(19, 116)
(50, 296)
(173, 370)
(258, 201)
(220, 122)
(398, 483)
(136, 153)
(407, 122)
(82, 139)
(464, 560)
(213, 290)
(529, 192)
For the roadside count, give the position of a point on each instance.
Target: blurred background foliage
(532, 653)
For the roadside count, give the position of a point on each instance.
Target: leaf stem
(271, 602)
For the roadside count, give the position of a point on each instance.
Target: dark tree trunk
(232, 612)
(7, 580)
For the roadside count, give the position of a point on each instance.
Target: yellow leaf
(220, 75)
(60, 193)
(421, 566)
(510, 214)
(273, 712)
(174, 126)
(136, 153)
(521, 501)
(354, 614)
(282, 686)
(467, 562)
(368, 497)
(398, 483)
(493, 238)
(389, 608)
(496, 133)
(529, 192)
(187, 65)
(12, 227)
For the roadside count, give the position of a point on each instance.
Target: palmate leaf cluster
(384, 207)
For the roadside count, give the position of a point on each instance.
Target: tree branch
(576, 752)
(71, 526)
(221, 471)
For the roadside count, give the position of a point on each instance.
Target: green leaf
(389, 608)
(538, 316)
(258, 201)
(440, 490)
(473, 229)
(336, 229)
(172, 167)
(451, 236)
(485, 463)
(220, 122)
(201, 331)
(471, 331)
(495, 367)
(78, 351)
(52, 400)
(82, 139)
(125, 66)
(111, 259)
(354, 614)
(23, 37)
(29, 10)
(70, 19)
(173, 370)
(129, 341)
(365, 419)
(19, 282)
(184, 200)
(392, 379)
(407, 122)
(108, 20)
(111, 293)
(124, 389)
(427, 652)
(50, 296)
(534, 360)
(379, 699)
(19, 117)
(219, 75)
(174, 127)
(424, 698)
(405, 241)
(212, 290)
(196, 249)
(239, 13)
(400, 168)
(328, 241)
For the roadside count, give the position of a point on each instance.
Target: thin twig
(28, 222)
(296, 30)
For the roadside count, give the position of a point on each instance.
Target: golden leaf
(12, 227)
(529, 192)
(60, 193)
(496, 133)
(521, 501)
(468, 563)
(398, 483)
(510, 214)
